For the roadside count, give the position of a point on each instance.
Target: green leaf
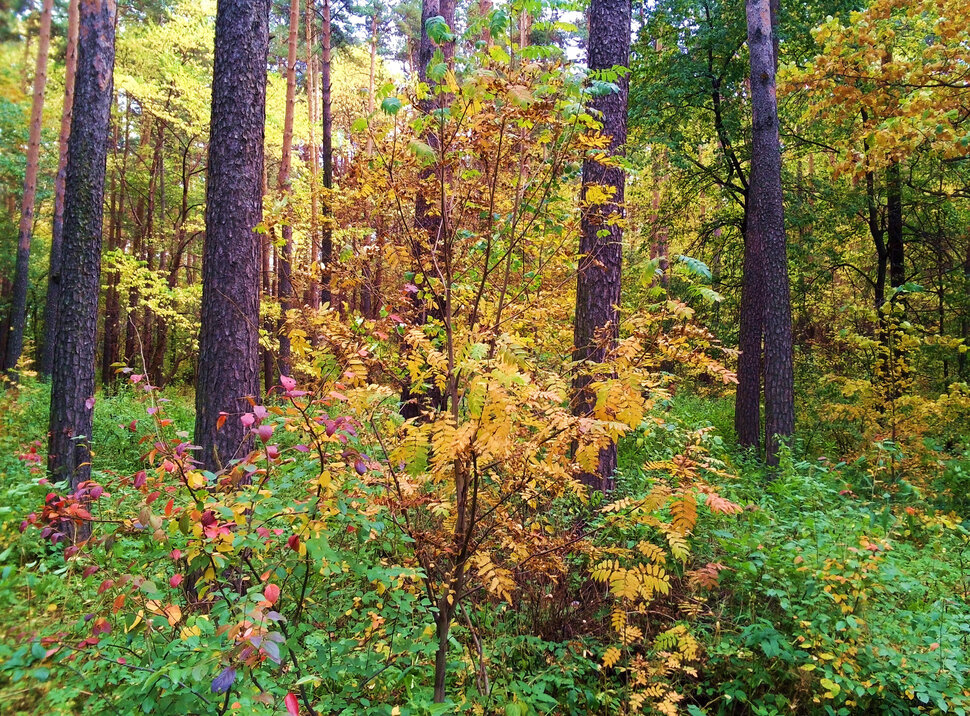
(438, 30)
(696, 266)
(391, 105)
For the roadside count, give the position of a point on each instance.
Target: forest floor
(837, 593)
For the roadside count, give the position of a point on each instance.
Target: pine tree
(229, 337)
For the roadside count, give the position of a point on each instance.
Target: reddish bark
(18, 311)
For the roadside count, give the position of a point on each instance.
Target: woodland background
(527, 372)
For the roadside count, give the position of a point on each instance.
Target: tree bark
(766, 222)
(72, 391)
(428, 228)
(18, 311)
(285, 291)
(326, 237)
(110, 344)
(57, 230)
(601, 244)
(229, 335)
(311, 91)
(894, 226)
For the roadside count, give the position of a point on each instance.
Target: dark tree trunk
(326, 237)
(285, 288)
(766, 220)
(57, 230)
(313, 290)
(747, 405)
(18, 311)
(110, 344)
(601, 245)
(229, 336)
(72, 391)
(894, 226)
(428, 227)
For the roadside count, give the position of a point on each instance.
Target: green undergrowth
(833, 596)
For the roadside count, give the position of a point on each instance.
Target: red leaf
(272, 593)
(175, 580)
(292, 705)
(168, 507)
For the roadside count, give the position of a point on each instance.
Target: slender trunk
(374, 25)
(112, 302)
(57, 229)
(72, 390)
(601, 244)
(894, 226)
(18, 311)
(285, 291)
(767, 221)
(484, 11)
(326, 237)
(229, 337)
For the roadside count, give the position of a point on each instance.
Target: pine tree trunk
(428, 228)
(767, 221)
(598, 278)
(311, 91)
(18, 311)
(229, 336)
(747, 404)
(285, 291)
(326, 237)
(112, 303)
(72, 390)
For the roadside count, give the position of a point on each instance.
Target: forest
(514, 357)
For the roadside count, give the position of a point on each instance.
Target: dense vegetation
(514, 357)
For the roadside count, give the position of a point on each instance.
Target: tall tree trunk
(747, 404)
(283, 181)
(428, 228)
(601, 245)
(484, 10)
(311, 91)
(112, 303)
(326, 237)
(229, 335)
(374, 26)
(894, 226)
(767, 221)
(72, 390)
(18, 311)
